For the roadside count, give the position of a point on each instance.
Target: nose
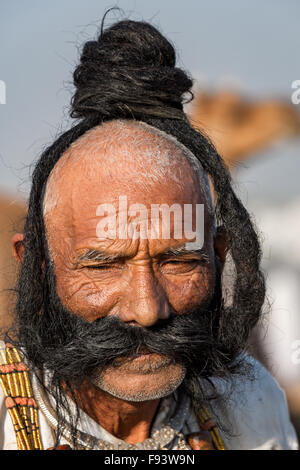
(145, 302)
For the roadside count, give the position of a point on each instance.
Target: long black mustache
(74, 348)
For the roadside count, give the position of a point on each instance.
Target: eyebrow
(182, 250)
(96, 255)
(102, 257)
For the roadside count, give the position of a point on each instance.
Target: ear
(18, 247)
(221, 244)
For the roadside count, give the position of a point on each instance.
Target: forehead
(116, 160)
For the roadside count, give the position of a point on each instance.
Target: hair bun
(129, 72)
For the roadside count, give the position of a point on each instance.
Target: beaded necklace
(19, 399)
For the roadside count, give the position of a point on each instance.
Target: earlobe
(221, 244)
(18, 247)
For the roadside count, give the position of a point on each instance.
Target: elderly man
(125, 338)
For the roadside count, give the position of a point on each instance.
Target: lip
(145, 363)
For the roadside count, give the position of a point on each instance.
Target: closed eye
(103, 267)
(201, 260)
(186, 261)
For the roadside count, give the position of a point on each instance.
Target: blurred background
(243, 56)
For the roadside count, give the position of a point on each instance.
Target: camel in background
(239, 128)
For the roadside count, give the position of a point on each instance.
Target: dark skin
(142, 283)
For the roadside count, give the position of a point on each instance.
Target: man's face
(140, 281)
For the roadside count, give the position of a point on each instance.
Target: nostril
(133, 323)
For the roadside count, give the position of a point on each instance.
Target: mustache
(92, 345)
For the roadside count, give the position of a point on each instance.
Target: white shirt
(255, 413)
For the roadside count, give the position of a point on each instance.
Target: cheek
(187, 292)
(85, 296)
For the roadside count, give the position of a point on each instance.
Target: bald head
(125, 152)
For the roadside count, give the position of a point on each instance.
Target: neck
(129, 421)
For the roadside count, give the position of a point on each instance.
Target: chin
(140, 385)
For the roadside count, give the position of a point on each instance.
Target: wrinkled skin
(142, 285)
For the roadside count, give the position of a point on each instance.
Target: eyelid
(99, 264)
